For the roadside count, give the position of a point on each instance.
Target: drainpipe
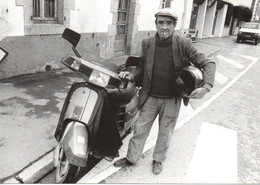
(183, 16)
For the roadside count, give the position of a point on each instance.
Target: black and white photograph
(129, 91)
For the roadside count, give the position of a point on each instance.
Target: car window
(251, 26)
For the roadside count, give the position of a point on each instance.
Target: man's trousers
(168, 111)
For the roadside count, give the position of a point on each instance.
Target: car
(249, 31)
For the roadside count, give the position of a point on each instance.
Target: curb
(35, 171)
(44, 165)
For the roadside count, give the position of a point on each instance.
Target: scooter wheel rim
(62, 165)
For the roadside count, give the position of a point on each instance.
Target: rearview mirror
(71, 36)
(3, 54)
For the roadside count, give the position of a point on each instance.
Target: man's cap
(166, 12)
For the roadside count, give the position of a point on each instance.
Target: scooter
(97, 113)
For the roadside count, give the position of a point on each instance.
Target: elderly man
(162, 57)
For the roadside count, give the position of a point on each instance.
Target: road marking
(105, 172)
(247, 57)
(230, 61)
(184, 111)
(220, 78)
(215, 157)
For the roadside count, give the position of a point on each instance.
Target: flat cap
(166, 12)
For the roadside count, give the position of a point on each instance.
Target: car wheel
(238, 40)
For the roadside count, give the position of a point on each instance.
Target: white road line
(247, 57)
(185, 111)
(230, 61)
(220, 78)
(215, 157)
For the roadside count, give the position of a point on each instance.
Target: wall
(31, 46)
(209, 19)
(226, 31)
(201, 18)
(11, 19)
(91, 16)
(221, 21)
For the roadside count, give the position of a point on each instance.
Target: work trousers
(168, 110)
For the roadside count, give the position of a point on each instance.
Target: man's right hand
(126, 75)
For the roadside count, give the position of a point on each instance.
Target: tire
(65, 172)
(238, 40)
(256, 41)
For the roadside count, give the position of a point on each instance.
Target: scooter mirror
(3, 54)
(71, 36)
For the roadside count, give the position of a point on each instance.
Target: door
(121, 28)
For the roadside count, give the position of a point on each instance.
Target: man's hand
(126, 75)
(198, 93)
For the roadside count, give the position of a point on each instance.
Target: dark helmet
(189, 78)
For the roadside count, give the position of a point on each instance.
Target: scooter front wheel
(65, 172)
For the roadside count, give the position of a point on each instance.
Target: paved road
(231, 122)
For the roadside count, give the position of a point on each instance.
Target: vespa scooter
(96, 114)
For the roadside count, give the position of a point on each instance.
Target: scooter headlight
(75, 65)
(99, 78)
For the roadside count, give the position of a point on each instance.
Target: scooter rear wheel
(65, 172)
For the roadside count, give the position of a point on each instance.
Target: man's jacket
(184, 53)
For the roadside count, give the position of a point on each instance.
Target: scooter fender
(75, 143)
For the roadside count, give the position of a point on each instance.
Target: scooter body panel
(75, 135)
(82, 103)
(75, 143)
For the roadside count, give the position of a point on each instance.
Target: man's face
(165, 26)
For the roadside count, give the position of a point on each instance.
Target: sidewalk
(30, 106)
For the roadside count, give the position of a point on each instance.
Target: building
(209, 18)
(31, 29)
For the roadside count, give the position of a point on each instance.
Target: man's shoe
(157, 167)
(122, 162)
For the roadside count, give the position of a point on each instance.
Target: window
(45, 10)
(166, 3)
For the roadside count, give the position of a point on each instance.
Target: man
(162, 57)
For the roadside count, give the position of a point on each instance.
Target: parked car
(249, 31)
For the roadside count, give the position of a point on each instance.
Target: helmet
(188, 79)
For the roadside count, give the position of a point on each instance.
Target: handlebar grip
(128, 78)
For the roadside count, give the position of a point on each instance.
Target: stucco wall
(147, 9)
(226, 31)
(30, 54)
(11, 19)
(91, 16)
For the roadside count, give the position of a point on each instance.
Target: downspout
(183, 16)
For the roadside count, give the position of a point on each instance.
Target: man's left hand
(198, 93)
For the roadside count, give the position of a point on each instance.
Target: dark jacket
(184, 53)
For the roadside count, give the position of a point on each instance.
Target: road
(233, 108)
